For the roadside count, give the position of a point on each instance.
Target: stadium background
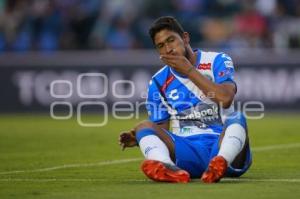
(42, 41)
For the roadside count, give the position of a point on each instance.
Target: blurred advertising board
(35, 85)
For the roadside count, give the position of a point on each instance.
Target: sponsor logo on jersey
(208, 115)
(173, 94)
(204, 66)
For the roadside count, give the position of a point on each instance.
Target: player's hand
(127, 139)
(180, 63)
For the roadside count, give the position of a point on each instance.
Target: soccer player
(193, 130)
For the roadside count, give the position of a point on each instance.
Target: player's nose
(169, 49)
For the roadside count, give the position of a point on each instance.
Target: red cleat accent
(162, 172)
(215, 171)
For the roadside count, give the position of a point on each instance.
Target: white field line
(274, 147)
(69, 180)
(137, 180)
(103, 163)
(260, 180)
(112, 162)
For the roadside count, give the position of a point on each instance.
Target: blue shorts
(194, 153)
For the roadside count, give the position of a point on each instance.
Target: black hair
(165, 22)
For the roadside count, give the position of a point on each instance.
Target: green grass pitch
(45, 158)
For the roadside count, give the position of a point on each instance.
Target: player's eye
(170, 39)
(159, 46)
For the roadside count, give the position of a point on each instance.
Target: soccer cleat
(162, 172)
(215, 171)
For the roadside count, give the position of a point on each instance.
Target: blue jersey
(174, 97)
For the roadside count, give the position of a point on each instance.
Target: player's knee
(144, 125)
(143, 129)
(236, 118)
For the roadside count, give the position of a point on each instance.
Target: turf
(32, 142)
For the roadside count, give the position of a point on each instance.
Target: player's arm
(222, 94)
(157, 114)
(128, 139)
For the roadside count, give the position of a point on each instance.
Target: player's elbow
(226, 104)
(226, 95)
(226, 101)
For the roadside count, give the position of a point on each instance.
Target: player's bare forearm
(128, 138)
(222, 94)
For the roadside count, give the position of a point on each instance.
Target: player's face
(169, 42)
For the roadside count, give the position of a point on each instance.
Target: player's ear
(186, 38)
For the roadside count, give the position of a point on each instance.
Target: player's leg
(154, 142)
(158, 148)
(234, 140)
(233, 152)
